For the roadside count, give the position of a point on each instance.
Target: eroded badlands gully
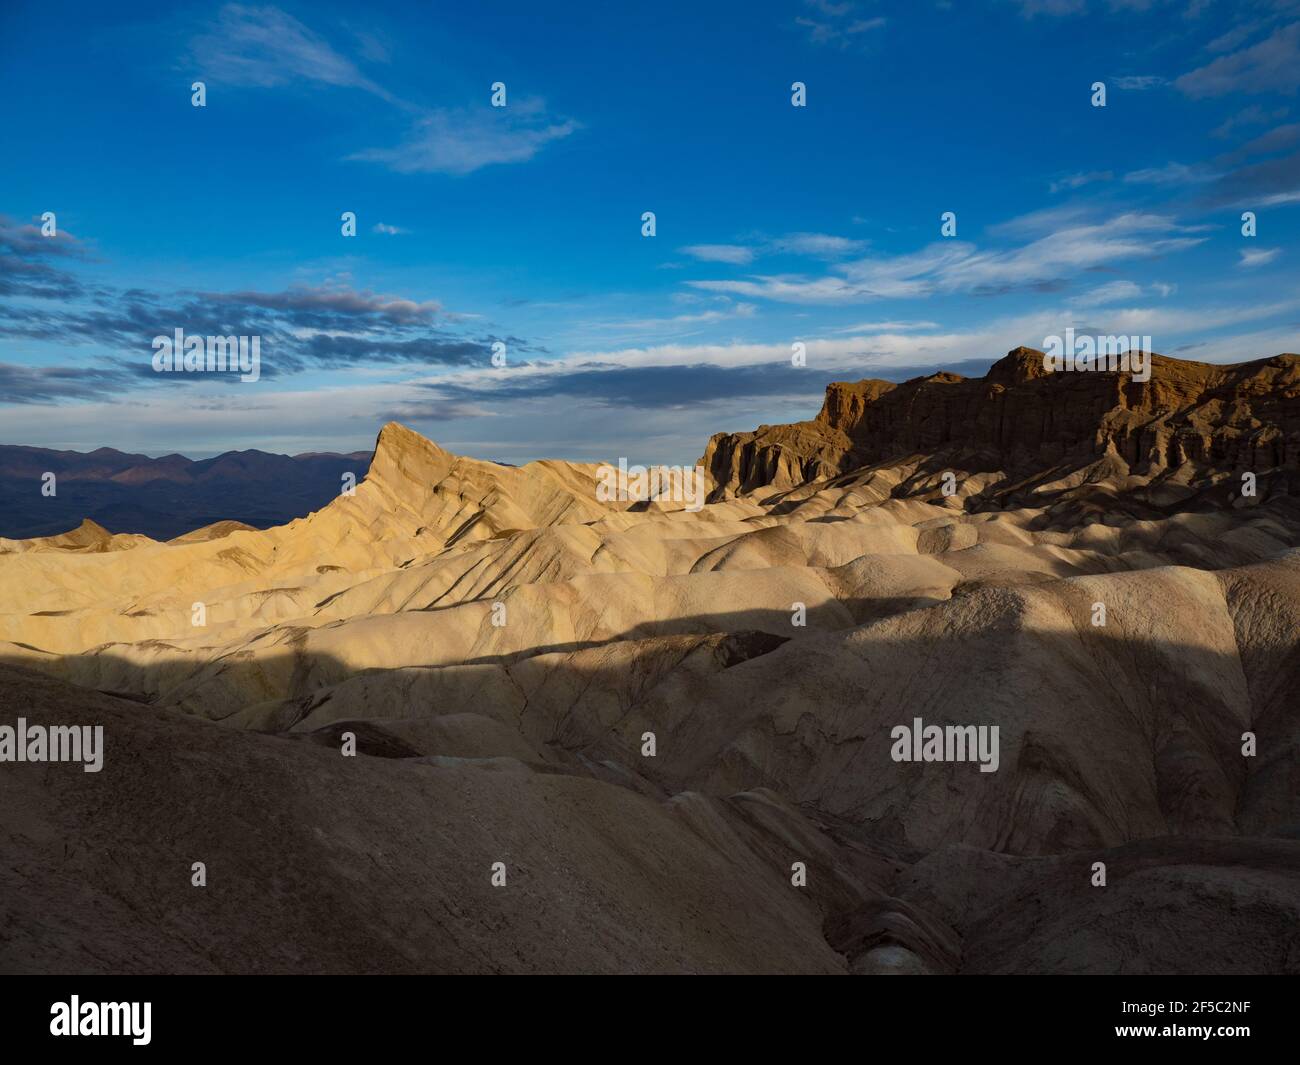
(672, 728)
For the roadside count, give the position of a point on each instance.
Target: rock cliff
(1191, 421)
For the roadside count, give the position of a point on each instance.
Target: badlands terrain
(500, 644)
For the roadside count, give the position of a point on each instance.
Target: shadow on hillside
(808, 713)
(380, 863)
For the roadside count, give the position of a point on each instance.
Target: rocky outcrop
(87, 538)
(1199, 419)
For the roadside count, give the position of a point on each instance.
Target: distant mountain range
(164, 497)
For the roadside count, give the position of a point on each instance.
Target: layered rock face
(677, 729)
(1190, 420)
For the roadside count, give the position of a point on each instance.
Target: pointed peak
(403, 455)
(396, 438)
(1018, 365)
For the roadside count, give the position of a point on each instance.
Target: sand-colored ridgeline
(501, 642)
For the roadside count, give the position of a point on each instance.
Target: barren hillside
(503, 646)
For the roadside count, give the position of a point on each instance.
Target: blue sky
(521, 224)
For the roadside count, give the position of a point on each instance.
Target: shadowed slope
(501, 644)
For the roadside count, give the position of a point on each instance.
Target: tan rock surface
(500, 642)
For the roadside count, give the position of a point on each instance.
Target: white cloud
(1252, 257)
(1116, 291)
(462, 141)
(1233, 38)
(1243, 347)
(1176, 322)
(1111, 292)
(736, 310)
(1044, 220)
(810, 245)
(736, 254)
(1137, 82)
(953, 266)
(837, 24)
(1169, 174)
(818, 245)
(1254, 115)
(886, 327)
(884, 345)
(264, 47)
(1272, 65)
(1075, 181)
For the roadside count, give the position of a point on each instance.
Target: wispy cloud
(265, 47)
(1275, 140)
(462, 141)
(1077, 181)
(675, 322)
(736, 254)
(886, 327)
(1170, 174)
(818, 245)
(1234, 38)
(838, 25)
(1252, 257)
(1272, 65)
(809, 245)
(1138, 82)
(51, 384)
(328, 307)
(1268, 184)
(653, 376)
(1045, 220)
(1043, 265)
(25, 269)
(1254, 115)
(1109, 293)
(302, 328)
